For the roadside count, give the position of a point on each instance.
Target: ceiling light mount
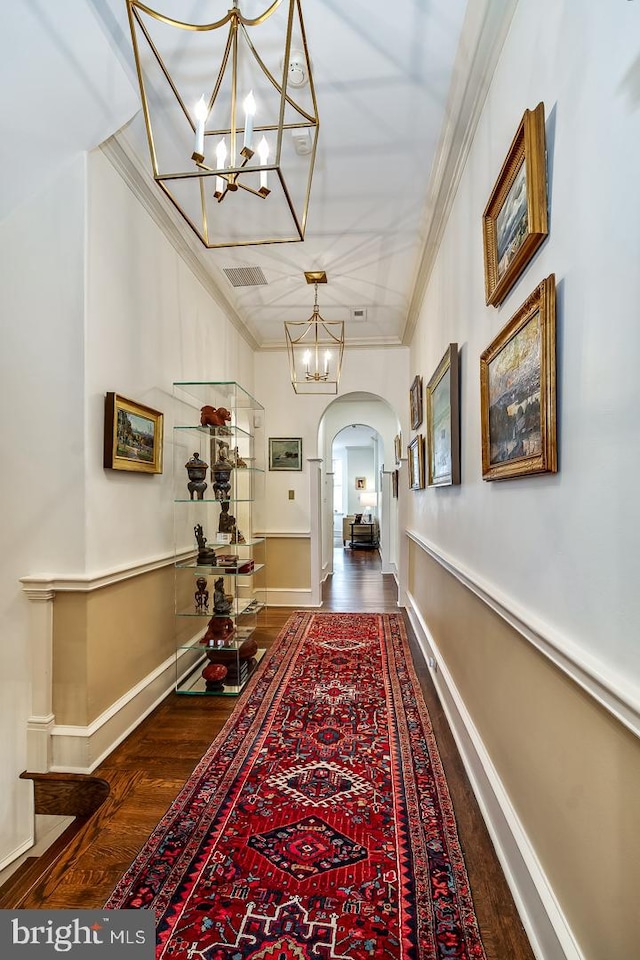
(227, 125)
(315, 347)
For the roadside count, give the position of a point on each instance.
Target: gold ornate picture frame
(415, 452)
(443, 422)
(133, 435)
(518, 391)
(415, 402)
(514, 222)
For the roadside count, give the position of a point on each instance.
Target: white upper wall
(150, 322)
(562, 549)
(380, 371)
(42, 430)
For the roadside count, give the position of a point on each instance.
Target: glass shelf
(241, 608)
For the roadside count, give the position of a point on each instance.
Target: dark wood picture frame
(285, 453)
(443, 421)
(518, 391)
(133, 435)
(514, 222)
(415, 453)
(415, 402)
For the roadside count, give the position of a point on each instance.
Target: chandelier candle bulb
(263, 153)
(221, 156)
(306, 358)
(327, 357)
(249, 106)
(200, 111)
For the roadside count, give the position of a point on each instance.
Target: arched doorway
(373, 423)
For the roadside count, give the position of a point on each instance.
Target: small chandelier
(315, 347)
(231, 119)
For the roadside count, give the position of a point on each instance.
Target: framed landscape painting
(415, 453)
(443, 422)
(514, 222)
(132, 436)
(415, 402)
(285, 453)
(518, 391)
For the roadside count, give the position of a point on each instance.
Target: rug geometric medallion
(318, 825)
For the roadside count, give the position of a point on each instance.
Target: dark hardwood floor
(148, 769)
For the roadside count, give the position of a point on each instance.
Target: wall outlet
(432, 664)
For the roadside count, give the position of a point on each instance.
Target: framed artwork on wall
(415, 402)
(514, 222)
(285, 453)
(443, 422)
(394, 483)
(397, 447)
(518, 391)
(133, 436)
(415, 453)
(361, 483)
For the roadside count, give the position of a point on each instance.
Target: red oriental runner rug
(318, 825)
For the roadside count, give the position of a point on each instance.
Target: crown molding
(484, 31)
(118, 150)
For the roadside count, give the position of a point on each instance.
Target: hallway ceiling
(397, 92)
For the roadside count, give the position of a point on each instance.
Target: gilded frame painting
(518, 391)
(415, 453)
(133, 435)
(415, 402)
(443, 422)
(514, 222)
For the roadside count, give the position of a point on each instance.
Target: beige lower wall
(288, 563)
(106, 641)
(571, 770)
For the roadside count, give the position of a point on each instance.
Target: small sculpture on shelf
(221, 472)
(222, 602)
(196, 471)
(227, 524)
(214, 676)
(201, 596)
(220, 632)
(237, 459)
(216, 417)
(206, 556)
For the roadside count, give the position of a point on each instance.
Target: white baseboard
(290, 597)
(77, 749)
(547, 928)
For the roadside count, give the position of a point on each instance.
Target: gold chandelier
(231, 119)
(315, 347)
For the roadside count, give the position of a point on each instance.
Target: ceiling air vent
(245, 276)
(358, 313)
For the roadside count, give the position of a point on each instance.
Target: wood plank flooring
(148, 769)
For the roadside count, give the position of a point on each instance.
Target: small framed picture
(415, 402)
(361, 483)
(133, 435)
(394, 484)
(415, 451)
(285, 453)
(514, 222)
(397, 447)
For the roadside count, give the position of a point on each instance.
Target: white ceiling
(395, 86)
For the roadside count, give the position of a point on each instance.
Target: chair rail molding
(589, 673)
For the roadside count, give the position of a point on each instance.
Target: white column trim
(315, 513)
(593, 676)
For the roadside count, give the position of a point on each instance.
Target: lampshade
(231, 117)
(315, 347)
